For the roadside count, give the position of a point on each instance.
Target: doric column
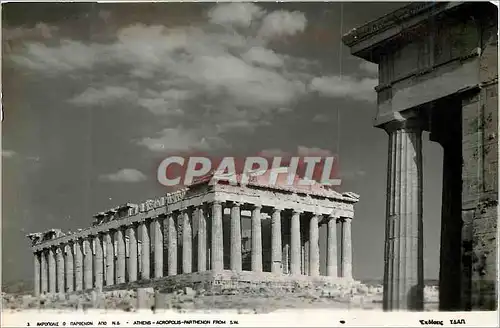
(202, 239)
(36, 275)
(187, 241)
(120, 256)
(60, 269)
(217, 249)
(78, 265)
(276, 250)
(236, 255)
(158, 251)
(44, 273)
(314, 246)
(403, 267)
(295, 244)
(331, 248)
(98, 261)
(87, 263)
(110, 259)
(133, 252)
(256, 239)
(70, 274)
(52, 270)
(145, 251)
(346, 243)
(172, 244)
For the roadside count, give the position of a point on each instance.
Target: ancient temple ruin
(197, 235)
(438, 72)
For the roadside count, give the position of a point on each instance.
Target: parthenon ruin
(438, 72)
(196, 235)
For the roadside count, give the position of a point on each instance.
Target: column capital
(410, 121)
(297, 211)
(277, 209)
(236, 204)
(256, 206)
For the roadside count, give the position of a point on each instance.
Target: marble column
(217, 247)
(52, 270)
(44, 273)
(331, 248)
(236, 255)
(110, 259)
(172, 244)
(276, 247)
(145, 251)
(256, 239)
(120, 256)
(87, 264)
(202, 239)
(295, 247)
(403, 267)
(133, 253)
(314, 246)
(70, 274)
(60, 269)
(78, 265)
(158, 251)
(98, 262)
(36, 275)
(187, 241)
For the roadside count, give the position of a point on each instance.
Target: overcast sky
(96, 95)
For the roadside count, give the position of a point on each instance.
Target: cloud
(124, 175)
(165, 103)
(345, 87)
(313, 151)
(282, 23)
(369, 68)
(320, 118)
(68, 56)
(179, 140)
(8, 153)
(234, 14)
(102, 96)
(260, 55)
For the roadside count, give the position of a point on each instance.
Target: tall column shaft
(256, 240)
(346, 243)
(110, 259)
(202, 240)
(314, 246)
(172, 245)
(52, 270)
(60, 269)
(87, 264)
(158, 251)
(236, 255)
(78, 266)
(70, 274)
(217, 247)
(331, 248)
(36, 274)
(145, 251)
(120, 256)
(98, 262)
(276, 265)
(133, 252)
(295, 247)
(403, 267)
(44, 273)
(187, 241)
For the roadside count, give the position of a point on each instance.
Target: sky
(96, 95)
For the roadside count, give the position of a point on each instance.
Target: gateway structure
(197, 236)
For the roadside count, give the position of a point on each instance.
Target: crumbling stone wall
(479, 178)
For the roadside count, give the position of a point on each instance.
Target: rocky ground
(256, 301)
